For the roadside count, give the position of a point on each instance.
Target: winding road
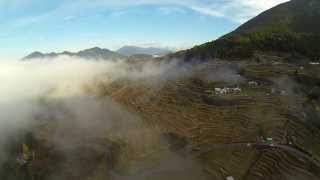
(258, 145)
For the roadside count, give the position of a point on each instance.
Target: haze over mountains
(93, 53)
(289, 28)
(131, 52)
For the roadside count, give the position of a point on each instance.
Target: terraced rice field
(187, 131)
(184, 107)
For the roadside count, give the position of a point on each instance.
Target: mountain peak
(96, 49)
(35, 55)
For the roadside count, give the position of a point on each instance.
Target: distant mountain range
(126, 52)
(93, 53)
(133, 50)
(292, 27)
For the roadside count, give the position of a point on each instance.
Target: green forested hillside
(292, 27)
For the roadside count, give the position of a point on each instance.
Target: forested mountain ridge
(291, 27)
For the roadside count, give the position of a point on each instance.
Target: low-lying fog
(60, 102)
(56, 91)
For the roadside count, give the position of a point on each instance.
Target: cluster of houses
(230, 90)
(253, 83)
(314, 63)
(226, 90)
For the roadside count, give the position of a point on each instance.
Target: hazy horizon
(55, 26)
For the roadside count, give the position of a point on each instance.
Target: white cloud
(117, 14)
(241, 11)
(207, 11)
(68, 18)
(260, 4)
(30, 20)
(167, 10)
(235, 10)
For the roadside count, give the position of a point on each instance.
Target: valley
(245, 106)
(265, 126)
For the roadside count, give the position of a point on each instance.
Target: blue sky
(57, 25)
